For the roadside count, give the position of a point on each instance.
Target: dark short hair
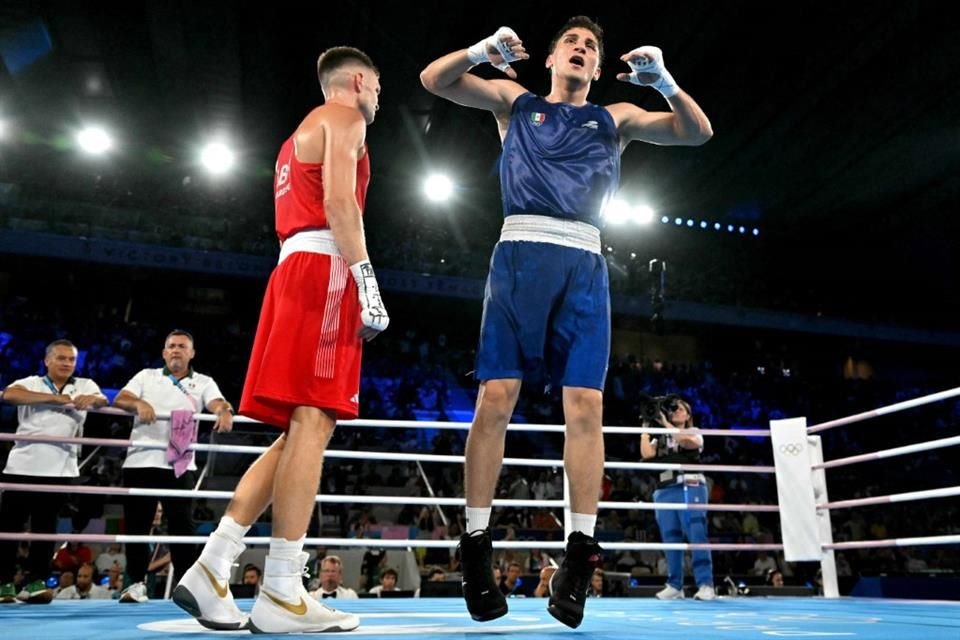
(252, 567)
(582, 22)
(336, 57)
(180, 332)
(58, 343)
(390, 572)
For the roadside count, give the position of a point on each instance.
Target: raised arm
(447, 76)
(685, 125)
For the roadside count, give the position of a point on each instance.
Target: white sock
(283, 548)
(583, 522)
(478, 518)
(281, 570)
(224, 547)
(232, 529)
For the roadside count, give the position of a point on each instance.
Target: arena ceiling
(836, 124)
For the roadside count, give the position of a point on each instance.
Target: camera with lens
(652, 406)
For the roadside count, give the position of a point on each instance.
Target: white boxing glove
(373, 315)
(480, 52)
(646, 64)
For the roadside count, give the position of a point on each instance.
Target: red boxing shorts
(307, 349)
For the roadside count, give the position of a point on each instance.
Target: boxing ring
(726, 617)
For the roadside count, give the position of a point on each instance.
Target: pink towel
(183, 433)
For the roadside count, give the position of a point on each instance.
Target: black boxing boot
(568, 586)
(483, 597)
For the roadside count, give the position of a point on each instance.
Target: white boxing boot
(204, 590)
(284, 606)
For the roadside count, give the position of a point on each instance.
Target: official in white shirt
(54, 404)
(331, 577)
(84, 588)
(176, 386)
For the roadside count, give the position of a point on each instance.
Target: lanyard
(47, 381)
(177, 384)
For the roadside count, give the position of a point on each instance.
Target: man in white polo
(152, 392)
(54, 404)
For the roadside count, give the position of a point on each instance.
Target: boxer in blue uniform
(547, 301)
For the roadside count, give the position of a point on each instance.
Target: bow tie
(329, 595)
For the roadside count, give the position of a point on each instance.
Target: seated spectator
(371, 565)
(71, 556)
(512, 581)
(763, 564)
(114, 555)
(84, 588)
(542, 589)
(775, 578)
(65, 580)
(252, 575)
(331, 580)
(597, 584)
(388, 582)
(114, 580)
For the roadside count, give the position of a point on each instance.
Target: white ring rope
(367, 499)
(381, 455)
(882, 411)
(381, 543)
(894, 542)
(426, 424)
(890, 453)
(908, 496)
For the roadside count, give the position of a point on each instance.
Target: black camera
(652, 406)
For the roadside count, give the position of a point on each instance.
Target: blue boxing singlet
(559, 160)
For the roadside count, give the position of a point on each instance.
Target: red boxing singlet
(298, 191)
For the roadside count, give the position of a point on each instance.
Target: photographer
(677, 486)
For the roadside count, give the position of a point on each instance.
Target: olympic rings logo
(791, 449)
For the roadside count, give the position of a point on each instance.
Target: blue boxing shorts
(545, 307)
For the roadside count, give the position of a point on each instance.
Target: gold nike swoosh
(295, 609)
(221, 590)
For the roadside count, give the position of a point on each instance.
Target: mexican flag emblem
(537, 118)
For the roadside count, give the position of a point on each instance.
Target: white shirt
(96, 593)
(106, 560)
(379, 588)
(155, 387)
(341, 591)
(41, 458)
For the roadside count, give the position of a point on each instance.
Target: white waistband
(316, 241)
(691, 477)
(567, 233)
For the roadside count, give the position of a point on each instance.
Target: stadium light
(616, 212)
(643, 214)
(217, 158)
(437, 187)
(94, 140)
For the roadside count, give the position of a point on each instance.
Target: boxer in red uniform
(321, 303)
